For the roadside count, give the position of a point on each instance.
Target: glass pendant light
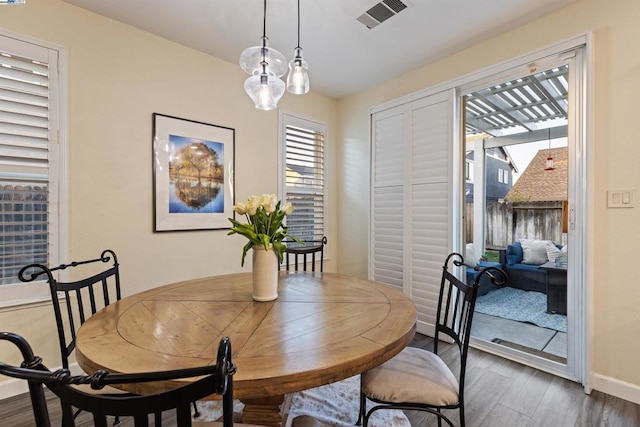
(265, 65)
(298, 79)
(265, 89)
(252, 57)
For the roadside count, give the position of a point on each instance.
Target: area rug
(522, 306)
(337, 404)
(334, 404)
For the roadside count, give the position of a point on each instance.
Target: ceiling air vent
(396, 5)
(381, 12)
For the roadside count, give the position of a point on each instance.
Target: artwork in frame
(192, 174)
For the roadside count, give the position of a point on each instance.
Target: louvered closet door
(388, 134)
(430, 212)
(411, 230)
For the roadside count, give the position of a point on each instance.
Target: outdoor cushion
(470, 255)
(413, 375)
(514, 253)
(534, 251)
(554, 252)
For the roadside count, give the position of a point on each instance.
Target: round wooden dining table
(322, 328)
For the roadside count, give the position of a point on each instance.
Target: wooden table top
(323, 328)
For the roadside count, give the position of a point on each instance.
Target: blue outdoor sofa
(528, 277)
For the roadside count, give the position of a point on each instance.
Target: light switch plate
(620, 198)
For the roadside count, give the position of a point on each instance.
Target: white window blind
(28, 195)
(304, 178)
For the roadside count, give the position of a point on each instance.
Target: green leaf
(279, 248)
(266, 241)
(245, 249)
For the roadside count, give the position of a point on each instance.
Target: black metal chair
(30, 362)
(90, 293)
(417, 379)
(296, 252)
(217, 379)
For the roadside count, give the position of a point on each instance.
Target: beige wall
(613, 234)
(118, 77)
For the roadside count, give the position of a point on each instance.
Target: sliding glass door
(519, 184)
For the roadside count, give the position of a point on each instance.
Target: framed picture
(192, 174)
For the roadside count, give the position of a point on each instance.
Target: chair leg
(196, 413)
(363, 405)
(461, 415)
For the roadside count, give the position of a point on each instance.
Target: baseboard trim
(617, 388)
(13, 386)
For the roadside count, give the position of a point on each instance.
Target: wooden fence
(507, 223)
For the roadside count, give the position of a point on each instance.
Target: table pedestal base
(264, 411)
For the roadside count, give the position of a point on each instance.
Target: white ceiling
(344, 56)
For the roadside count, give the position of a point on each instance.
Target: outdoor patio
(501, 327)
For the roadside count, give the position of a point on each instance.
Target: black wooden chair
(216, 379)
(75, 301)
(296, 253)
(417, 379)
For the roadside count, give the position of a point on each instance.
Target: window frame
(35, 293)
(286, 119)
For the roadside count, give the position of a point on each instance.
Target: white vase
(265, 274)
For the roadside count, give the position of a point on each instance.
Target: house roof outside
(539, 185)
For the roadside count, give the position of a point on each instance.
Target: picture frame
(193, 174)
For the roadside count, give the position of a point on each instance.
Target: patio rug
(333, 404)
(522, 306)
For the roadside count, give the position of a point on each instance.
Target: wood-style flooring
(502, 393)
(498, 393)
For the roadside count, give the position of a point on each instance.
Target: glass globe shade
(265, 90)
(251, 58)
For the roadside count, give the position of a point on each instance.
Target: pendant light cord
(263, 63)
(298, 24)
(264, 20)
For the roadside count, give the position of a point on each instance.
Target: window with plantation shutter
(28, 158)
(304, 176)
